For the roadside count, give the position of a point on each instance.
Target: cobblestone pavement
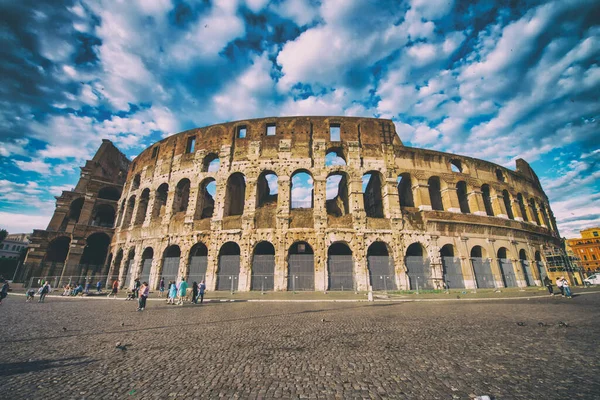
(432, 350)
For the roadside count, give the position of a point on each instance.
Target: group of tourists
(562, 284)
(177, 293)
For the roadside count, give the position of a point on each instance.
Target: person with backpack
(44, 290)
(195, 292)
(201, 290)
(115, 288)
(183, 286)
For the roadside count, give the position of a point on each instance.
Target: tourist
(115, 288)
(98, 286)
(30, 295)
(136, 289)
(78, 290)
(161, 287)
(143, 292)
(87, 287)
(548, 284)
(559, 285)
(201, 290)
(67, 290)
(566, 288)
(172, 293)
(3, 291)
(44, 290)
(195, 292)
(183, 286)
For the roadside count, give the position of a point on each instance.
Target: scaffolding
(559, 262)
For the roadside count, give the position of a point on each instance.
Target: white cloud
(432, 9)
(23, 223)
(34, 165)
(299, 11)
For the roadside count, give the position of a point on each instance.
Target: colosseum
(326, 203)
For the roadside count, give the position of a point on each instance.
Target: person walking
(172, 293)
(87, 287)
(144, 291)
(559, 285)
(3, 291)
(115, 288)
(548, 284)
(183, 286)
(44, 290)
(201, 290)
(98, 286)
(161, 287)
(566, 288)
(195, 292)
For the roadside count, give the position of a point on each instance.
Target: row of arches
(103, 214)
(93, 258)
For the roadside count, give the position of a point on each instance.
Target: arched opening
(130, 269)
(147, 257)
(340, 267)
(335, 157)
(135, 184)
(508, 204)
(266, 189)
(103, 215)
(463, 198)
(205, 205)
(534, 211)
(522, 207)
(116, 270)
(482, 268)
(160, 201)
(456, 166)
(506, 268)
(545, 216)
(182, 196)
(405, 193)
(228, 271)
(211, 163)
(381, 267)
(540, 266)
(526, 265)
(75, 209)
(373, 194)
(109, 193)
(302, 190)
(128, 212)
(487, 200)
(56, 254)
(94, 253)
(452, 270)
(263, 267)
(336, 194)
(198, 263)
(140, 216)
(500, 175)
(235, 194)
(418, 267)
(170, 267)
(301, 267)
(435, 194)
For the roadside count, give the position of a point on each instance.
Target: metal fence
(527, 272)
(197, 269)
(419, 273)
(301, 272)
(263, 271)
(483, 273)
(228, 273)
(508, 272)
(381, 273)
(341, 275)
(453, 276)
(58, 283)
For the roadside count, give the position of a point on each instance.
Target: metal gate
(301, 272)
(170, 269)
(381, 272)
(128, 281)
(453, 276)
(527, 272)
(341, 276)
(228, 273)
(419, 272)
(541, 270)
(146, 268)
(508, 272)
(483, 272)
(263, 270)
(197, 271)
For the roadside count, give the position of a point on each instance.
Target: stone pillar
(421, 194)
(498, 204)
(321, 273)
(192, 203)
(519, 272)
(156, 269)
(283, 203)
(361, 271)
(245, 277)
(319, 196)
(123, 269)
(87, 209)
(281, 266)
(393, 199)
(475, 198)
(494, 263)
(516, 209)
(356, 203)
(183, 263)
(71, 267)
(212, 264)
(450, 199)
(150, 210)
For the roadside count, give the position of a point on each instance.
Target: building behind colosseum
(225, 203)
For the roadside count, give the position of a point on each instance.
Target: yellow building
(587, 249)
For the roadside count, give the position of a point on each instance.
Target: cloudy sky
(497, 80)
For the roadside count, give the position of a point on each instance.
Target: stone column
(421, 194)
(393, 199)
(519, 272)
(494, 262)
(321, 273)
(516, 209)
(356, 203)
(475, 198)
(498, 204)
(466, 265)
(156, 269)
(283, 203)
(319, 196)
(281, 267)
(245, 277)
(150, 210)
(361, 271)
(450, 199)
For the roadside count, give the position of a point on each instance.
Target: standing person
(195, 292)
(3, 291)
(201, 290)
(115, 288)
(172, 293)
(161, 287)
(548, 284)
(87, 287)
(98, 286)
(566, 288)
(136, 288)
(559, 285)
(183, 286)
(44, 290)
(144, 291)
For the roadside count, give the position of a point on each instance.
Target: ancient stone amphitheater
(326, 203)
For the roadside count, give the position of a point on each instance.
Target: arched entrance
(452, 270)
(540, 266)
(228, 272)
(526, 268)
(482, 268)
(94, 254)
(130, 267)
(418, 267)
(170, 267)
(506, 268)
(147, 257)
(57, 252)
(301, 267)
(263, 267)
(198, 263)
(381, 267)
(340, 267)
(116, 270)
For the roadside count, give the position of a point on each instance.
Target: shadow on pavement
(40, 365)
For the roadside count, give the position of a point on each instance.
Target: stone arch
(507, 269)
(418, 267)
(522, 207)
(228, 270)
(405, 193)
(142, 209)
(57, 253)
(508, 204)
(263, 267)
(128, 212)
(372, 187)
(302, 189)
(455, 165)
(160, 201)
(267, 189)
(103, 215)
(435, 193)
(198, 262)
(109, 193)
(205, 203)
(481, 267)
(487, 200)
(335, 156)
(463, 197)
(75, 209)
(340, 267)
(301, 267)
(211, 163)
(235, 194)
(380, 264)
(182, 196)
(500, 175)
(336, 194)
(526, 266)
(451, 268)
(94, 253)
(135, 184)
(170, 264)
(534, 211)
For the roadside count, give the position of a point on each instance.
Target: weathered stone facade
(447, 204)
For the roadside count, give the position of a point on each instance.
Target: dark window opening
(487, 201)
(75, 209)
(499, 175)
(405, 193)
(211, 163)
(109, 193)
(456, 166)
(142, 207)
(334, 132)
(336, 194)
(435, 194)
(372, 194)
(463, 198)
(136, 182)
(160, 201)
(235, 195)
(128, 212)
(266, 189)
(508, 204)
(241, 132)
(190, 145)
(522, 207)
(155, 152)
(104, 216)
(205, 205)
(182, 196)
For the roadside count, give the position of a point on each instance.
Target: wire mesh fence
(340, 270)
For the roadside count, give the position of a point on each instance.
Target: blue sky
(497, 80)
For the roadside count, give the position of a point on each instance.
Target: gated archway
(170, 267)
(56, 255)
(94, 254)
(482, 268)
(198, 263)
(228, 272)
(263, 267)
(129, 267)
(381, 267)
(506, 268)
(147, 257)
(526, 268)
(452, 270)
(418, 267)
(301, 267)
(340, 267)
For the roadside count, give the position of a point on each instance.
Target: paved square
(433, 350)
